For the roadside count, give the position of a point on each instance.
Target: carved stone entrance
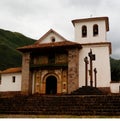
(51, 85)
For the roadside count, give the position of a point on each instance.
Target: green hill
(9, 41)
(115, 70)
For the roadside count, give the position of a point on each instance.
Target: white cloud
(35, 17)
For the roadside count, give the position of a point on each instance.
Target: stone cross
(95, 74)
(92, 58)
(86, 70)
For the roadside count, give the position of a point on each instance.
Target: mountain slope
(9, 41)
(115, 70)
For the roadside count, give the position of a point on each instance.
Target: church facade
(55, 65)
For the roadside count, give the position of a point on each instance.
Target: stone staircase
(88, 90)
(104, 105)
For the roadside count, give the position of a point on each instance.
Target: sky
(34, 18)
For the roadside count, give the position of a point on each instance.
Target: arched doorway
(51, 85)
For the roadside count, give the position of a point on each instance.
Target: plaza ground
(54, 116)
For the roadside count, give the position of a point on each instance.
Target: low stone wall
(105, 90)
(9, 94)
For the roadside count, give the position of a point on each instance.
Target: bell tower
(91, 30)
(91, 33)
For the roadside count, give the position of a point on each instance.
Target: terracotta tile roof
(11, 70)
(50, 45)
(92, 19)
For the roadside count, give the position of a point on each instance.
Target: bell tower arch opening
(51, 85)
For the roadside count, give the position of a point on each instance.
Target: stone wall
(56, 68)
(9, 94)
(40, 77)
(73, 69)
(25, 74)
(67, 78)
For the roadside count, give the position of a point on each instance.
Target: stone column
(25, 74)
(73, 70)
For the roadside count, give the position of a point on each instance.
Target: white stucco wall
(101, 37)
(7, 83)
(102, 64)
(49, 37)
(115, 87)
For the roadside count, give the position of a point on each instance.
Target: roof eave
(92, 19)
(48, 46)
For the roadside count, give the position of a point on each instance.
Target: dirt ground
(54, 116)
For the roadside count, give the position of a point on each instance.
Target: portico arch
(51, 84)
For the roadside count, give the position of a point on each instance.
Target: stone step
(61, 105)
